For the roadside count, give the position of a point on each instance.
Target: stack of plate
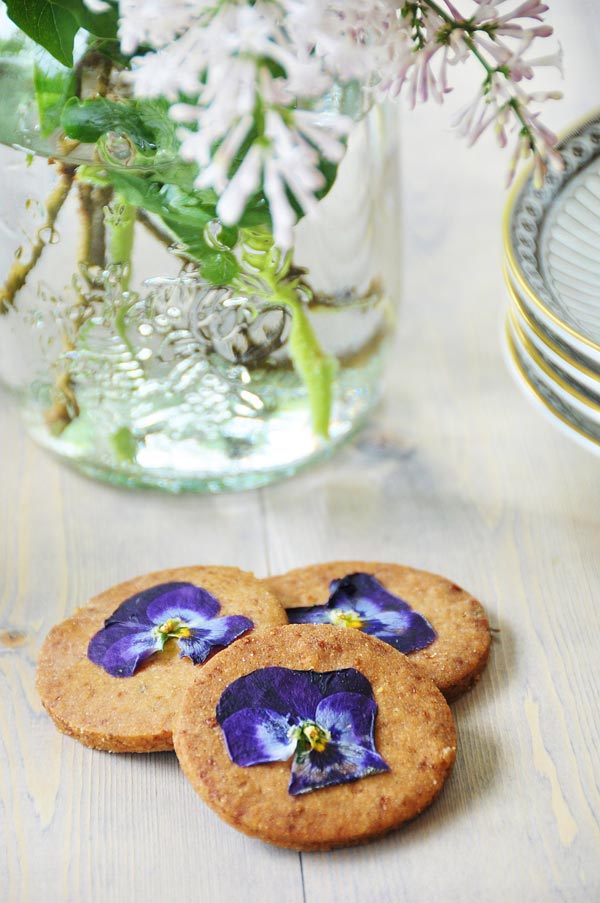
(552, 271)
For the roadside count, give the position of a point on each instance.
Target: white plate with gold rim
(584, 354)
(576, 426)
(572, 395)
(572, 372)
(552, 243)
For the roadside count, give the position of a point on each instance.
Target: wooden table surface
(457, 474)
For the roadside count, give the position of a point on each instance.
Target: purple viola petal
(382, 614)
(357, 584)
(134, 610)
(287, 691)
(391, 625)
(216, 633)
(254, 736)
(386, 615)
(281, 690)
(396, 610)
(119, 649)
(364, 593)
(344, 680)
(360, 593)
(393, 620)
(185, 601)
(182, 608)
(101, 642)
(316, 614)
(349, 718)
(223, 631)
(326, 718)
(196, 648)
(338, 764)
(417, 635)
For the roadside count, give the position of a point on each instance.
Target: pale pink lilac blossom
(254, 75)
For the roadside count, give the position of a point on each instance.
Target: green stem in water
(315, 368)
(271, 277)
(122, 230)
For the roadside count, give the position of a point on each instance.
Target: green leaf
(48, 24)
(52, 90)
(257, 213)
(89, 120)
(229, 236)
(184, 214)
(329, 171)
(155, 115)
(101, 25)
(219, 268)
(156, 197)
(53, 24)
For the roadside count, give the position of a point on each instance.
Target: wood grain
(456, 473)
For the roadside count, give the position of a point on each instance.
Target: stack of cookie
(292, 729)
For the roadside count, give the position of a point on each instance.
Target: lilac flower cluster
(324, 720)
(255, 73)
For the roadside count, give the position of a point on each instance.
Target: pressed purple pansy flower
(324, 720)
(361, 602)
(171, 611)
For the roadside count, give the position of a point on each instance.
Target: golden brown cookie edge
(310, 634)
(97, 609)
(312, 584)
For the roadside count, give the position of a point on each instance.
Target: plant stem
(92, 252)
(121, 327)
(163, 237)
(315, 368)
(93, 76)
(64, 408)
(469, 29)
(92, 201)
(122, 231)
(273, 279)
(464, 26)
(18, 273)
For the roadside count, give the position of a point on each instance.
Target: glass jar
(131, 366)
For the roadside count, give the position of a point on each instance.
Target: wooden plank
(77, 824)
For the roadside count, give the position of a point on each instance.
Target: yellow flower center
(175, 628)
(317, 736)
(346, 618)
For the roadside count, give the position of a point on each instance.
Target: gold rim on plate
(555, 415)
(544, 337)
(548, 370)
(511, 259)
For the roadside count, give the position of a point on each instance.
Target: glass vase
(134, 368)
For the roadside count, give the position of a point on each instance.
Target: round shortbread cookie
(135, 714)
(414, 733)
(455, 659)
